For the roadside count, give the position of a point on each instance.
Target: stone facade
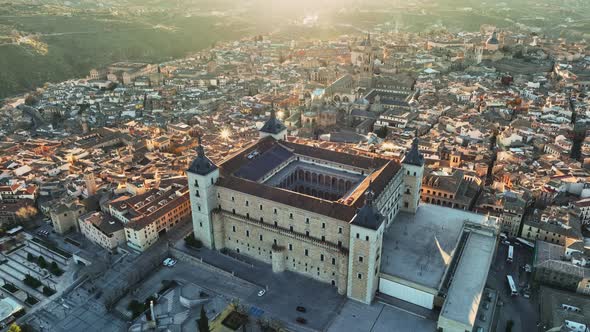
(312, 244)
(65, 217)
(322, 239)
(102, 229)
(148, 215)
(364, 263)
(511, 223)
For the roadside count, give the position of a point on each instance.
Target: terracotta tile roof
(287, 197)
(141, 210)
(336, 157)
(383, 172)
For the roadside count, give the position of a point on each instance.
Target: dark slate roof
(368, 216)
(336, 157)
(385, 170)
(324, 207)
(201, 164)
(347, 137)
(493, 39)
(414, 157)
(363, 113)
(263, 163)
(273, 125)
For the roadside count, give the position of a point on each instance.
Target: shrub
(191, 241)
(48, 291)
(31, 300)
(42, 262)
(136, 308)
(55, 270)
(31, 257)
(31, 281)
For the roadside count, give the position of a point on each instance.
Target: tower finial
(200, 150)
(369, 194)
(272, 110)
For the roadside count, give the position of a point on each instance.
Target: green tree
(14, 328)
(42, 262)
(26, 213)
(31, 281)
(54, 269)
(203, 321)
(48, 291)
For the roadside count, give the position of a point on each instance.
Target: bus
(14, 231)
(512, 285)
(510, 257)
(525, 242)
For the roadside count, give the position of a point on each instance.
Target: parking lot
(379, 317)
(285, 291)
(519, 309)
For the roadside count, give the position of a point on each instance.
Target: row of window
(546, 232)
(290, 245)
(358, 236)
(291, 228)
(552, 240)
(197, 182)
(260, 251)
(437, 193)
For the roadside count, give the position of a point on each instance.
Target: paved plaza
(379, 317)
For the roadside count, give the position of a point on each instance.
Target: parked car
(301, 309)
(301, 320)
(261, 292)
(170, 262)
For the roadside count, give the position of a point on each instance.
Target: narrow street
(522, 311)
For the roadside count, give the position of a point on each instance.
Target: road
(84, 308)
(522, 311)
